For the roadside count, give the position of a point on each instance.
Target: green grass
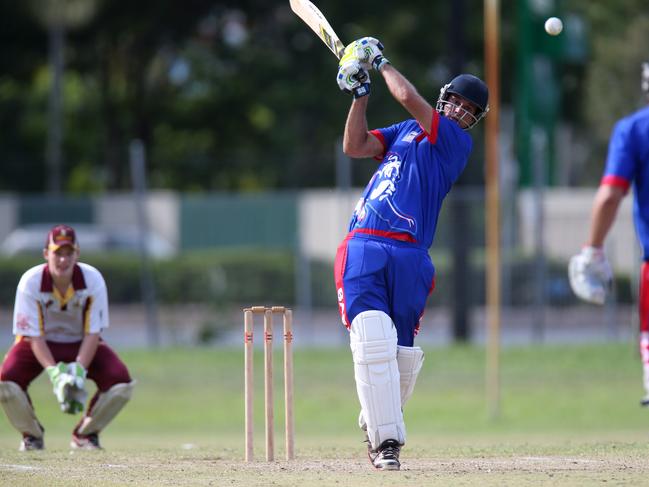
(187, 410)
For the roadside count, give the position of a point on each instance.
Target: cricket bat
(312, 17)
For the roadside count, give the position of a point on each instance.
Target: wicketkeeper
(627, 164)
(383, 271)
(61, 308)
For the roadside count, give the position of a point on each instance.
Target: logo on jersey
(341, 306)
(410, 137)
(384, 186)
(22, 322)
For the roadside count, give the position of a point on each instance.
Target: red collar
(47, 283)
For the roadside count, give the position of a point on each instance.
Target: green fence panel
(230, 220)
(472, 227)
(44, 209)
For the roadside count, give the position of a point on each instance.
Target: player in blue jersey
(383, 271)
(627, 164)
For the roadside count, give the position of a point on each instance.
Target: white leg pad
(106, 408)
(18, 409)
(373, 340)
(409, 360)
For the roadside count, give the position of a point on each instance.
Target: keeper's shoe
(85, 442)
(386, 456)
(30, 443)
(644, 401)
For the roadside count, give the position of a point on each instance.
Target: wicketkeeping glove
(352, 78)
(78, 371)
(75, 400)
(76, 394)
(590, 275)
(61, 380)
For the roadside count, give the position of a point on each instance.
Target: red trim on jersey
(643, 301)
(377, 133)
(616, 181)
(78, 281)
(434, 128)
(403, 237)
(339, 270)
(47, 284)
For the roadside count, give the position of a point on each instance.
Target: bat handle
(361, 76)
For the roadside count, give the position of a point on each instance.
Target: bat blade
(312, 17)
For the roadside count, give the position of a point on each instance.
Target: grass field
(569, 416)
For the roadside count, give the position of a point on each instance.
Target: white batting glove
(368, 51)
(352, 78)
(590, 275)
(371, 53)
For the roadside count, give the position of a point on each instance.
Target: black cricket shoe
(386, 456)
(30, 443)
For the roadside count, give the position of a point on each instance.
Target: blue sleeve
(620, 161)
(456, 145)
(387, 135)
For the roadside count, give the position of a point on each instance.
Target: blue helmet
(470, 88)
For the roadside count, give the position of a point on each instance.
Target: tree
(226, 95)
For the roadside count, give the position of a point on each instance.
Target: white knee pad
(106, 408)
(373, 340)
(18, 409)
(409, 360)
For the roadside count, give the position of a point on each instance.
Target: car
(92, 239)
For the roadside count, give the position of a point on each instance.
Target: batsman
(383, 270)
(60, 311)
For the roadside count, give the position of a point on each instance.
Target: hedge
(255, 276)
(242, 277)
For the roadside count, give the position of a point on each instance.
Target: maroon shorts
(21, 366)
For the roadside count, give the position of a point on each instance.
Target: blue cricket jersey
(628, 163)
(404, 197)
(383, 264)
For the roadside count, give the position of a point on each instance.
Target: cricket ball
(553, 26)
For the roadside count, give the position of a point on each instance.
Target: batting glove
(352, 78)
(590, 275)
(370, 53)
